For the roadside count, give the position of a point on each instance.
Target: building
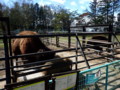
(83, 19)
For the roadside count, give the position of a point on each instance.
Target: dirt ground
(65, 54)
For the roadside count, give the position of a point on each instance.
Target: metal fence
(84, 81)
(103, 77)
(8, 58)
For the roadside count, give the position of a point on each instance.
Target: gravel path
(111, 85)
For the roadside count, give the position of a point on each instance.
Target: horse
(34, 45)
(50, 68)
(30, 45)
(96, 41)
(57, 66)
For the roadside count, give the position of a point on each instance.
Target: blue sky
(80, 5)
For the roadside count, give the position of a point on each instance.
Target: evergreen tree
(16, 16)
(63, 19)
(102, 11)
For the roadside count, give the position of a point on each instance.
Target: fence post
(6, 31)
(106, 80)
(83, 38)
(10, 46)
(57, 41)
(69, 38)
(110, 33)
(7, 63)
(76, 57)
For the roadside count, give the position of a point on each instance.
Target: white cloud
(7, 2)
(44, 3)
(89, 0)
(73, 3)
(48, 3)
(59, 1)
(115, 14)
(82, 7)
(81, 2)
(84, 1)
(41, 3)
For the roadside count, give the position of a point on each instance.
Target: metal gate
(50, 80)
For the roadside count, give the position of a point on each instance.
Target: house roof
(84, 14)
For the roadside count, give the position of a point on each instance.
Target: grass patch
(118, 36)
(1, 45)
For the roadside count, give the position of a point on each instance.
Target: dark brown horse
(52, 67)
(30, 45)
(34, 45)
(96, 41)
(58, 66)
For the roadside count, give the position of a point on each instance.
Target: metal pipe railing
(99, 67)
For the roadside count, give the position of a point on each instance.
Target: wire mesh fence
(104, 77)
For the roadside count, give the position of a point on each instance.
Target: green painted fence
(104, 77)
